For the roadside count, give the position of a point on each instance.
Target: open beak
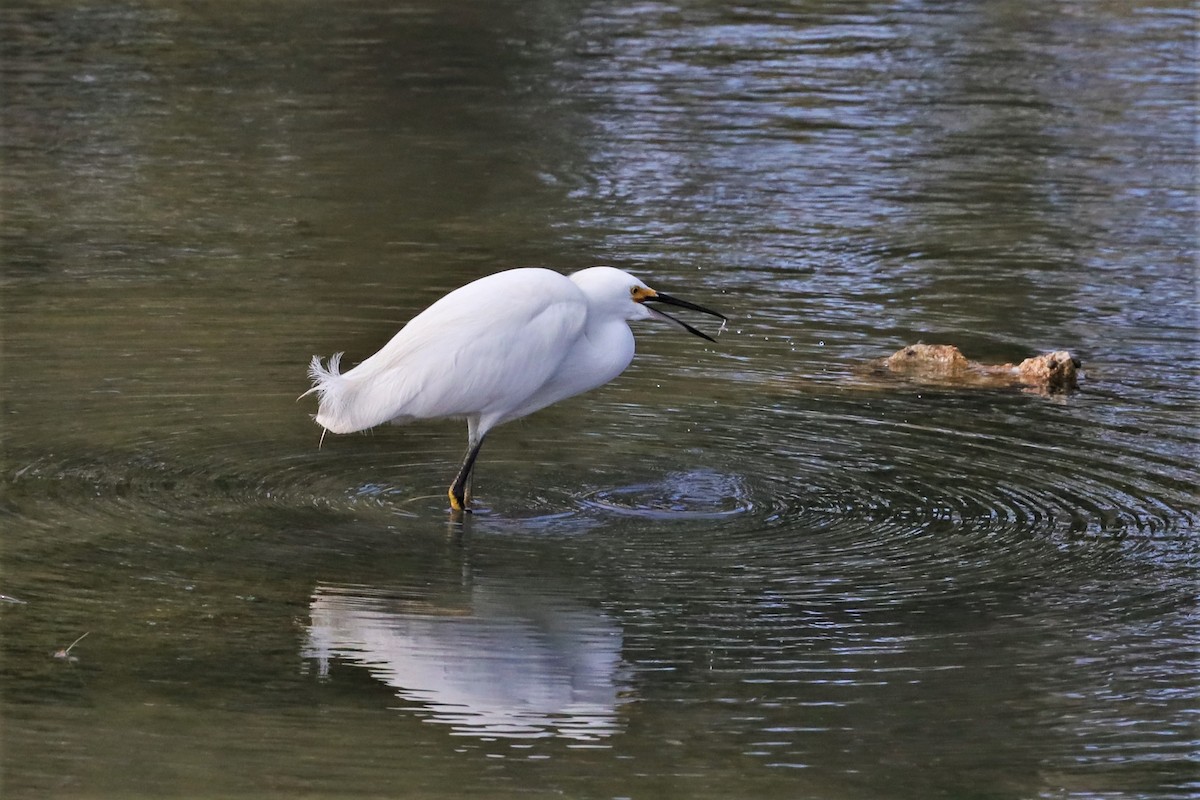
(666, 299)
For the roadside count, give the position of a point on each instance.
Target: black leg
(462, 481)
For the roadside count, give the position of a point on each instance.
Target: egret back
(481, 351)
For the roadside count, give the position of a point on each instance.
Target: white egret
(492, 351)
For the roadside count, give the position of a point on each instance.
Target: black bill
(666, 299)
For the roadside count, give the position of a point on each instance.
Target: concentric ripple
(833, 471)
(863, 478)
(697, 495)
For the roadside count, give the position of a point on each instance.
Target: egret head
(623, 295)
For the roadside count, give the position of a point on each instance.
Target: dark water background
(735, 572)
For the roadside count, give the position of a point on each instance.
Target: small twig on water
(66, 652)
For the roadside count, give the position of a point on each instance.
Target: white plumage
(494, 350)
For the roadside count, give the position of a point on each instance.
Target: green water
(734, 572)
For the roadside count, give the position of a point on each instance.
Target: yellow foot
(456, 503)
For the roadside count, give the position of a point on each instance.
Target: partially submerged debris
(65, 653)
(945, 365)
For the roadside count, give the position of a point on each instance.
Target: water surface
(735, 572)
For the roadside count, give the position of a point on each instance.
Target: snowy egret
(494, 350)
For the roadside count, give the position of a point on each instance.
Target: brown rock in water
(945, 365)
(928, 359)
(1055, 372)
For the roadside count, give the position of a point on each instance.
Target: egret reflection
(496, 661)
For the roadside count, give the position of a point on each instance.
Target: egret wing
(480, 350)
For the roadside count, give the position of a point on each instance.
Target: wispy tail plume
(323, 377)
(330, 386)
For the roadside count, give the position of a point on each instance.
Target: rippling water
(741, 570)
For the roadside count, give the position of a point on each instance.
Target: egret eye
(640, 293)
